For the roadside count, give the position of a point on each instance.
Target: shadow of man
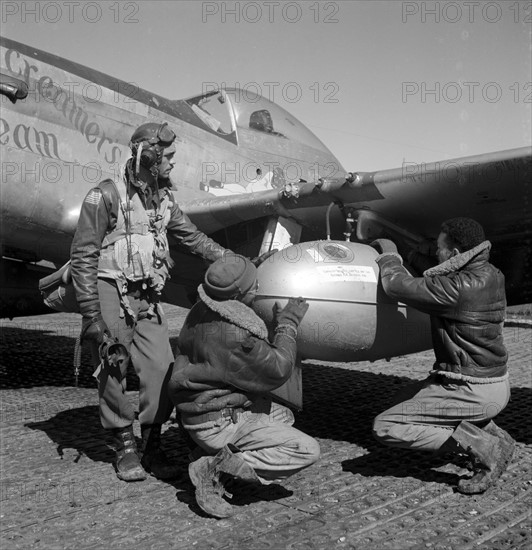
(380, 462)
(78, 429)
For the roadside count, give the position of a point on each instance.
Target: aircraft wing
(493, 188)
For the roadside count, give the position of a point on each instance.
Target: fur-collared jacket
(466, 301)
(225, 360)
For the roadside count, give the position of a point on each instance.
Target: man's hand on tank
(383, 246)
(293, 312)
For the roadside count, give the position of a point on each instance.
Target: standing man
(120, 263)
(452, 409)
(220, 382)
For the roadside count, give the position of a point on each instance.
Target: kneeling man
(452, 409)
(223, 370)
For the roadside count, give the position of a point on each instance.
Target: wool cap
(229, 277)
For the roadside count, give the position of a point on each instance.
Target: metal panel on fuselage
(73, 130)
(64, 138)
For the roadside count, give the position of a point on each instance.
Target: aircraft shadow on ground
(31, 358)
(339, 404)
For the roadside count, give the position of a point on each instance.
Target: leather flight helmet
(149, 141)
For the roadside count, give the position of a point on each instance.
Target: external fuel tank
(350, 318)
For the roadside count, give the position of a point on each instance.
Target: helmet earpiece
(146, 154)
(148, 142)
(149, 156)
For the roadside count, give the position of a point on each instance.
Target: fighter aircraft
(254, 178)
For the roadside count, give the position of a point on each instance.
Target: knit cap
(229, 276)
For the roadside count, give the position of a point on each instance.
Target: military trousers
(426, 413)
(266, 438)
(148, 343)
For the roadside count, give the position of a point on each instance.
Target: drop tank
(350, 318)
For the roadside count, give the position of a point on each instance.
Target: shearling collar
(237, 313)
(457, 262)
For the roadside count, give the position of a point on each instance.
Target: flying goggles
(165, 136)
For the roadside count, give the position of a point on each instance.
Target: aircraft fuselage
(72, 131)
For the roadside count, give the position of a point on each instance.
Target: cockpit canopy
(228, 111)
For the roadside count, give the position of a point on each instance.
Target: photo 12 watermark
(290, 92)
(466, 12)
(70, 12)
(51, 171)
(32, 411)
(461, 173)
(270, 12)
(73, 493)
(466, 92)
(219, 174)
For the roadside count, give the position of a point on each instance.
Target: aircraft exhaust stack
(350, 318)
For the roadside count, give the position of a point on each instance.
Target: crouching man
(452, 409)
(223, 370)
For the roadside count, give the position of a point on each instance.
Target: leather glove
(94, 329)
(384, 246)
(263, 257)
(293, 312)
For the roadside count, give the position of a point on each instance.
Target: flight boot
(490, 451)
(128, 466)
(497, 431)
(207, 474)
(154, 459)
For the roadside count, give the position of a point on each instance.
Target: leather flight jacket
(466, 301)
(222, 365)
(99, 216)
